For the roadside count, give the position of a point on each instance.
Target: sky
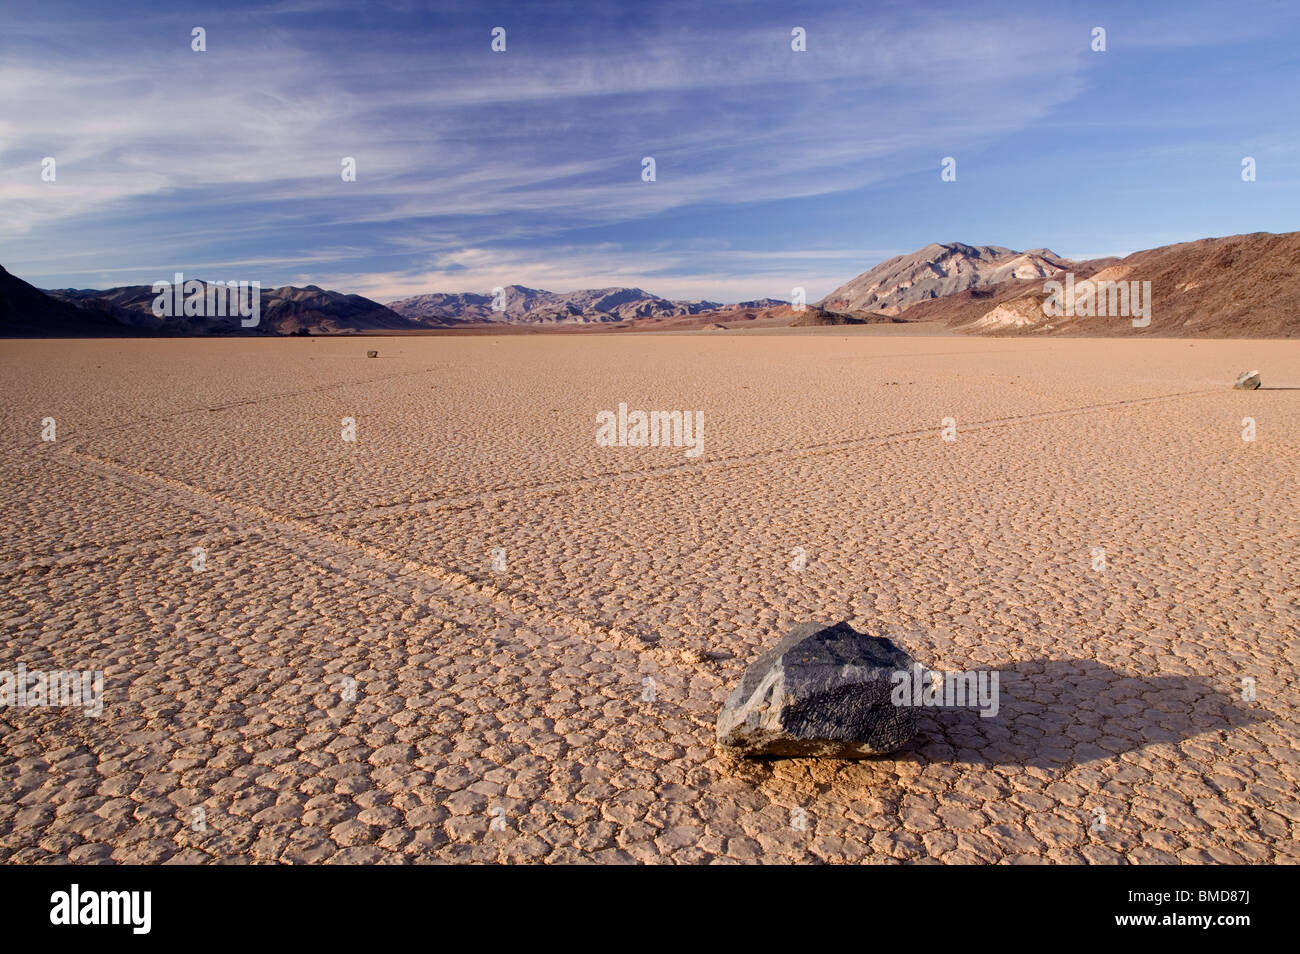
(774, 168)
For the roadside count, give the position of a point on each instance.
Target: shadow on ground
(1055, 713)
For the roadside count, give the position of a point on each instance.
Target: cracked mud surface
(349, 679)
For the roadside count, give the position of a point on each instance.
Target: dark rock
(821, 691)
(1247, 381)
(372, 354)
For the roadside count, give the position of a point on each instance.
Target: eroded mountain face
(937, 271)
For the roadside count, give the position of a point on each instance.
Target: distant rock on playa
(1248, 381)
(821, 691)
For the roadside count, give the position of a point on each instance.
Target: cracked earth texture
(350, 680)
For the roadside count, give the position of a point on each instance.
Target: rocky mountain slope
(284, 310)
(26, 311)
(937, 271)
(1240, 286)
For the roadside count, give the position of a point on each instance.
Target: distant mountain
(288, 309)
(1238, 286)
(758, 314)
(26, 311)
(936, 271)
(965, 307)
(533, 306)
(441, 309)
(284, 310)
(757, 304)
(1241, 286)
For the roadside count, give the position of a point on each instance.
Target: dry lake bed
(408, 608)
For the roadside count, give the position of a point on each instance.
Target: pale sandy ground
(519, 695)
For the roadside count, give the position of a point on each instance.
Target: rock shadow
(1055, 713)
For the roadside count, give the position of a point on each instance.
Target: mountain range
(1238, 286)
(517, 304)
(284, 311)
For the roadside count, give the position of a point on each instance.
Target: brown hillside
(1241, 286)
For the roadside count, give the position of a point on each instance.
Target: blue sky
(775, 169)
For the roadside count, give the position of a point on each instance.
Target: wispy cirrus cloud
(700, 271)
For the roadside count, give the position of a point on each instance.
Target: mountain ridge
(519, 304)
(1229, 287)
(1232, 286)
(288, 309)
(938, 270)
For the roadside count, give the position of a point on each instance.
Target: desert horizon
(973, 289)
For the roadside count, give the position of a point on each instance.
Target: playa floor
(473, 634)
